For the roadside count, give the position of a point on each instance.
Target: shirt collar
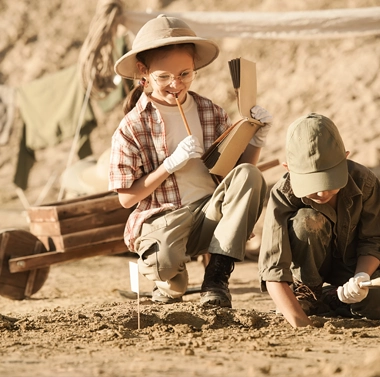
(143, 103)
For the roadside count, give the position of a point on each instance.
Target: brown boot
(310, 298)
(215, 284)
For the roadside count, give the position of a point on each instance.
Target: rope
(96, 60)
(76, 136)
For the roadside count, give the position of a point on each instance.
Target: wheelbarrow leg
(32, 273)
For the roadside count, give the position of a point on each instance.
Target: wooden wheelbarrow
(59, 232)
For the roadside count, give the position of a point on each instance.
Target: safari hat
(163, 31)
(315, 155)
(87, 176)
(95, 177)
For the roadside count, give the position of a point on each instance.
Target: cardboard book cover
(224, 153)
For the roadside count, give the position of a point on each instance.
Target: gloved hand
(187, 149)
(262, 115)
(351, 291)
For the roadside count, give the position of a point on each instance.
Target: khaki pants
(314, 261)
(219, 224)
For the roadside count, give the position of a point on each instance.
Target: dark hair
(146, 58)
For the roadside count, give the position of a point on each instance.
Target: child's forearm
(142, 187)
(287, 303)
(251, 155)
(368, 264)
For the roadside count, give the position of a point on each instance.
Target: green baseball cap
(315, 155)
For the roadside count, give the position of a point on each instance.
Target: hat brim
(82, 178)
(206, 52)
(332, 179)
(96, 176)
(93, 181)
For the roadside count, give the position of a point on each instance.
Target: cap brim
(206, 52)
(332, 179)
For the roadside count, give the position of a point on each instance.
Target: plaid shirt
(139, 147)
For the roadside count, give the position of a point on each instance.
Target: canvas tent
(333, 23)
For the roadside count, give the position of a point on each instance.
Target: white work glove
(351, 292)
(262, 115)
(187, 149)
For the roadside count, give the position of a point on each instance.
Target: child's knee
(308, 223)
(159, 265)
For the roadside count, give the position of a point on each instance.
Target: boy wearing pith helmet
(321, 236)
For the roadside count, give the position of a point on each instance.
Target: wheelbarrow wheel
(16, 243)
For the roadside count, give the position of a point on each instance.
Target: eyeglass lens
(186, 76)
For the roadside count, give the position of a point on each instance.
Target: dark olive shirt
(356, 222)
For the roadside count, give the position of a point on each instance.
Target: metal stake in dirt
(134, 277)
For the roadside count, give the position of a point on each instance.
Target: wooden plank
(47, 242)
(105, 202)
(32, 273)
(52, 257)
(4, 237)
(90, 236)
(81, 199)
(45, 228)
(268, 165)
(42, 214)
(30, 283)
(79, 223)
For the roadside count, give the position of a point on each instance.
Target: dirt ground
(79, 324)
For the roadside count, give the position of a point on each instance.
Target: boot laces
(303, 292)
(219, 269)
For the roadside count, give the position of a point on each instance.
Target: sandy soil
(79, 324)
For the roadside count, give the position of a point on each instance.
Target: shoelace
(302, 291)
(220, 269)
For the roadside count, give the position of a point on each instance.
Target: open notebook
(225, 152)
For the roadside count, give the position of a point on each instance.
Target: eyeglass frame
(173, 77)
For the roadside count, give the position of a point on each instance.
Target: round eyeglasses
(166, 79)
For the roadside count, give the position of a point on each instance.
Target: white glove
(262, 115)
(351, 292)
(188, 148)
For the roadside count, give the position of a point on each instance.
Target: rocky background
(336, 77)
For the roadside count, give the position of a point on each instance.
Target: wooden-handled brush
(374, 283)
(183, 115)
